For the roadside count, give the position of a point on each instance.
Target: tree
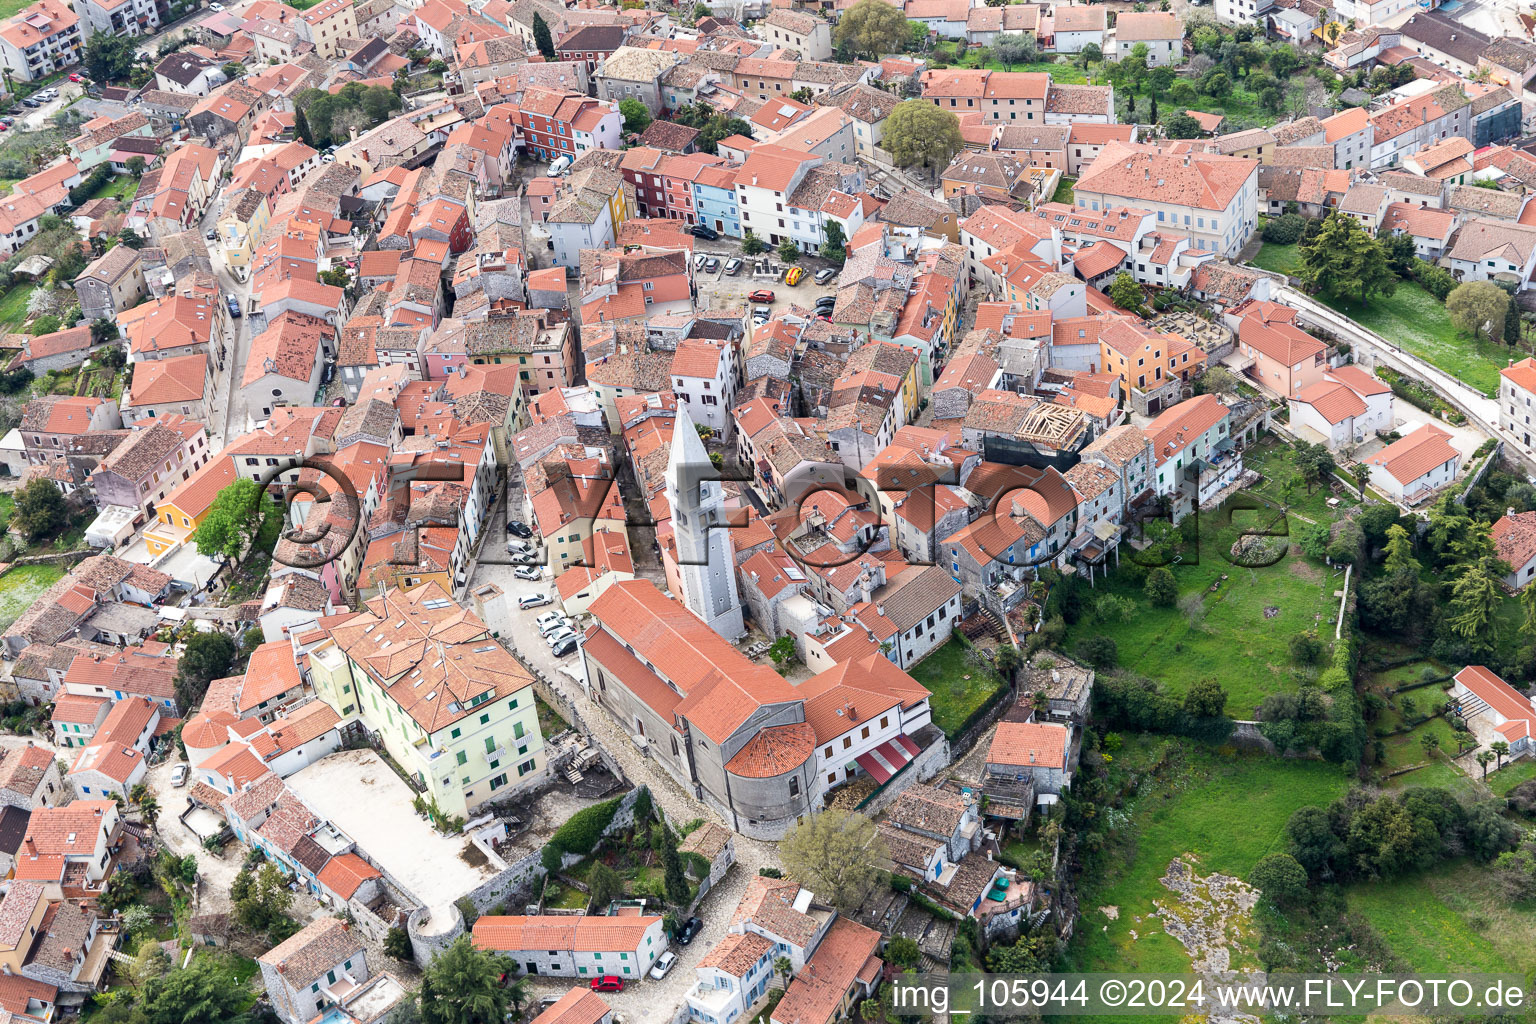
(836, 854)
(266, 899)
(872, 28)
(132, 239)
(109, 58)
(1485, 758)
(604, 885)
(397, 943)
(919, 133)
(1306, 648)
(1283, 61)
(462, 985)
(784, 968)
(1431, 743)
(789, 250)
(208, 656)
(1479, 308)
(136, 166)
(832, 246)
(149, 810)
(1009, 661)
(1312, 841)
(1362, 474)
(233, 69)
(1216, 85)
(200, 993)
(636, 117)
(103, 329)
(1401, 251)
(301, 127)
(1125, 292)
(1161, 588)
(1513, 326)
(1181, 126)
(751, 245)
(1099, 650)
(782, 651)
(1344, 261)
(150, 962)
(542, 39)
(1500, 749)
(231, 521)
(40, 509)
(1014, 48)
(1281, 879)
(1399, 551)
(1475, 598)
(1215, 380)
(336, 277)
(676, 883)
(1206, 699)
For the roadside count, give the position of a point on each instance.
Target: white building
(704, 379)
(705, 560)
(1161, 32)
(1517, 399)
(733, 975)
(1192, 448)
(1212, 198)
(1413, 468)
(313, 969)
(1348, 406)
(574, 947)
(40, 39)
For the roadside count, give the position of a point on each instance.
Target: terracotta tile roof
(578, 1006)
(1022, 744)
(1411, 457)
(1514, 536)
(815, 994)
(1507, 702)
(168, 381)
(774, 751)
(1179, 425)
(1521, 374)
(1279, 339)
(578, 934)
(737, 953)
(303, 957)
(1333, 401)
(1203, 180)
(346, 873)
(1147, 26)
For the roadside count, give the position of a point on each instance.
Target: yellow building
(179, 515)
(241, 227)
(452, 706)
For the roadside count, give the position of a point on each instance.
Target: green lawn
(1281, 259)
(1450, 919)
(22, 586)
(1063, 192)
(1195, 811)
(119, 186)
(1414, 319)
(13, 306)
(1248, 620)
(1511, 775)
(960, 683)
(1272, 457)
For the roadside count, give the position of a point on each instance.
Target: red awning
(907, 741)
(872, 765)
(888, 758)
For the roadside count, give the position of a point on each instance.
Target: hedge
(584, 830)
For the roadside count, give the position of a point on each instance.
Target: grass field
(1242, 636)
(21, 587)
(13, 306)
(1063, 192)
(1450, 919)
(1272, 457)
(120, 186)
(960, 683)
(1414, 319)
(1191, 812)
(1511, 775)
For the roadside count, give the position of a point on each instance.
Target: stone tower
(706, 561)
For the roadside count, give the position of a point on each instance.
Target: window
(794, 787)
(461, 757)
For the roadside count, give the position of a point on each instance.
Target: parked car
(180, 774)
(527, 572)
(216, 8)
(7, 121)
(711, 265)
(704, 231)
(564, 648)
(531, 600)
(560, 636)
(519, 529)
(4, 127)
(698, 261)
(794, 275)
(211, 235)
(547, 618)
(826, 274)
(663, 964)
(48, 94)
(826, 302)
(761, 295)
(760, 316)
(234, 306)
(77, 77)
(732, 267)
(608, 983)
(516, 545)
(30, 102)
(551, 628)
(689, 931)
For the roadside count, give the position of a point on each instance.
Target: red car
(608, 983)
(77, 77)
(761, 295)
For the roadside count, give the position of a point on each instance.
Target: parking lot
(720, 291)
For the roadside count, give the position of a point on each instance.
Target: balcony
(497, 754)
(714, 1002)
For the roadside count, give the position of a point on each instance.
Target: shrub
(1160, 588)
(1285, 229)
(1099, 651)
(582, 832)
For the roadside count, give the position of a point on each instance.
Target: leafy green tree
(1312, 842)
(265, 900)
(1125, 292)
(206, 657)
(605, 886)
(136, 166)
(1206, 699)
(40, 509)
(751, 245)
(872, 28)
(1513, 328)
(1281, 879)
(132, 239)
(109, 58)
(919, 133)
(1181, 126)
(1475, 598)
(542, 38)
(1014, 48)
(336, 277)
(1161, 588)
(398, 944)
(832, 246)
(1089, 55)
(789, 250)
(678, 892)
(231, 521)
(636, 117)
(301, 127)
(200, 993)
(782, 651)
(1099, 650)
(1479, 308)
(462, 985)
(1216, 85)
(1344, 261)
(1399, 551)
(1306, 648)
(837, 855)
